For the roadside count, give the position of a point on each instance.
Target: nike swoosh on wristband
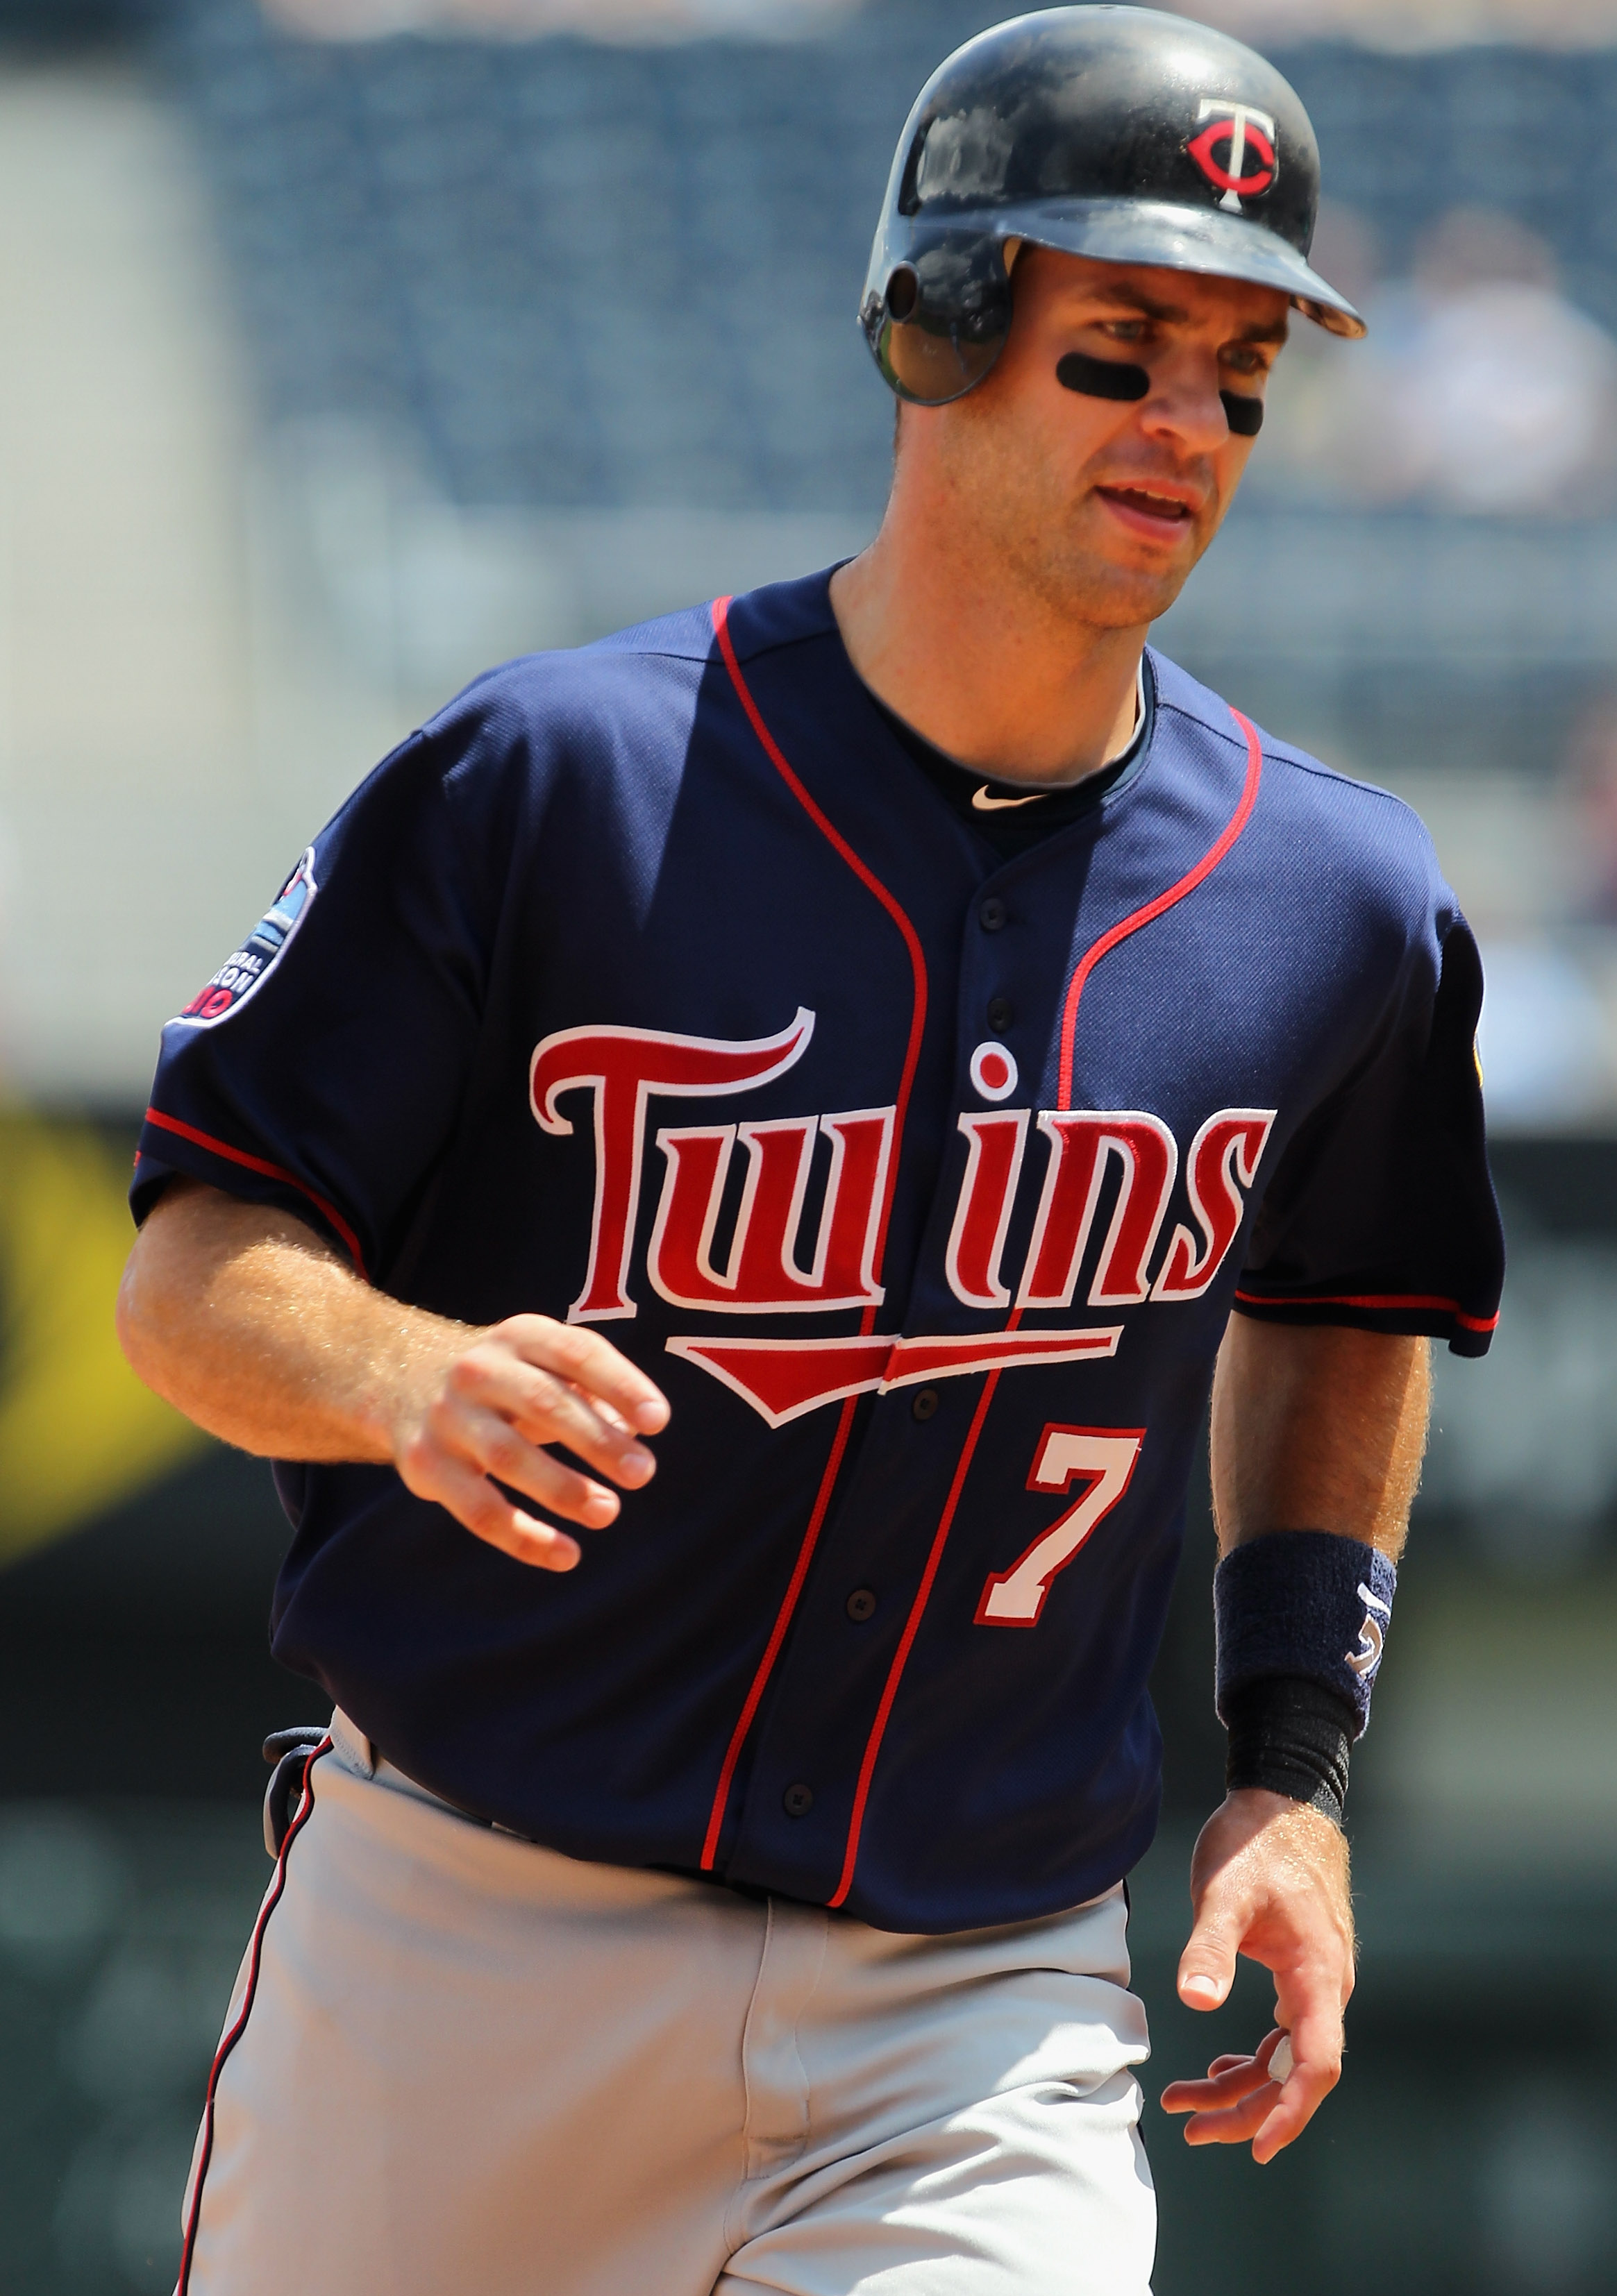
(983, 803)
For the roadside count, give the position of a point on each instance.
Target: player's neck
(992, 677)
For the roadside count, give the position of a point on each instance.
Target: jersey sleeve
(322, 1067)
(1381, 1214)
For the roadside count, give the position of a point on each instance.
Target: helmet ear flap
(940, 319)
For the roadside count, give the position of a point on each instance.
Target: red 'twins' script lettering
(1221, 1167)
(764, 1275)
(1081, 1146)
(994, 1152)
(621, 1068)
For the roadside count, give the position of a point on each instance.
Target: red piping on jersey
(1391, 1302)
(917, 1023)
(766, 1665)
(306, 1803)
(270, 1171)
(912, 1628)
(1087, 963)
(871, 884)
(1163, 902)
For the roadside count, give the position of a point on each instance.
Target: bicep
(1317, 1428)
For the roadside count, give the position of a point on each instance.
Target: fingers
(456, 1437)
(590, 1362)
(1207, 1966)
(473, 1501)
(1234, 2124)
(1233, 2102)
(1316, 2048)
(1240, 2101)
(1228, 2080)
(489, 1381)
(491, 1410)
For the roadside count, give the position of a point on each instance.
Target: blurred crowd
(636, 20)
(1396, 23)
(1483, 389)
(1405, 24)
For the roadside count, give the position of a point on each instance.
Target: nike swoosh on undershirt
(983, 803)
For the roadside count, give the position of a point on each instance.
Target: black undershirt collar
(1016, 829)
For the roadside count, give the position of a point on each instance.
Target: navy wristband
(1304, 1602)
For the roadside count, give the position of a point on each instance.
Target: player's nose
(1183, 404)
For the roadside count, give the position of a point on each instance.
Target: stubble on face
(1054, 489)
(1043, 523)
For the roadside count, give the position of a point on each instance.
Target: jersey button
(926, 1403)
(991, 916)
(798, 1801)
(861, 1606)
(1001, 1013)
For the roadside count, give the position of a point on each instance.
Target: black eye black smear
(1117, 379)
(1244, 415)
(1101, 378)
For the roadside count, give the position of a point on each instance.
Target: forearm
(1317, 1429)
(247, 1321)
(249, 1324)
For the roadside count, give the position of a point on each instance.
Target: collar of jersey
(793, 611)
(1131, 762)
(1120, 768)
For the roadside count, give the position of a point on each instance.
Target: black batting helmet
(1119, 133)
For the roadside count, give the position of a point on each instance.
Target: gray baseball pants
(455, 2064)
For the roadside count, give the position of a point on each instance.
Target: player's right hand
(485, 1416)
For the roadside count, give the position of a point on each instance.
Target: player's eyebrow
(1136, 298)
(1175, 315)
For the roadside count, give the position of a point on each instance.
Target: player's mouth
(1146, 512)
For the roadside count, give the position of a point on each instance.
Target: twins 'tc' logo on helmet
(1236, 150)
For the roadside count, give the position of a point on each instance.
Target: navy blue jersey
(655, 986)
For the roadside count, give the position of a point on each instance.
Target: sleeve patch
(248, 967)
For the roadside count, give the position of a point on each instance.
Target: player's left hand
(1268, 1880)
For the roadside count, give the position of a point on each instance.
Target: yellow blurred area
(78, 1430)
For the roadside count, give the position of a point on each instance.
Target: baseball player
(722, 1182)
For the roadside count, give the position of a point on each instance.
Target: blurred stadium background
(350, 345)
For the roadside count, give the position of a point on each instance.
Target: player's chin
(1119, 593)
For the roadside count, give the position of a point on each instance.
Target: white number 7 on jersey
(1105, 1456)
